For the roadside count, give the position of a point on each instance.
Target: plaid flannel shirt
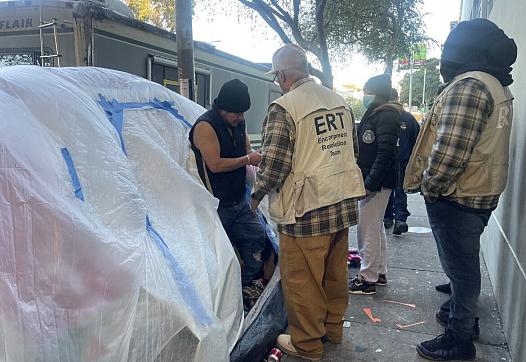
(278, 135)
(465, 112)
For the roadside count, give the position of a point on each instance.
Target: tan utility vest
(324, 170)
(486, 172)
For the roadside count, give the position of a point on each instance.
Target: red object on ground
(275, 355)
(353, 259)
(369, 314)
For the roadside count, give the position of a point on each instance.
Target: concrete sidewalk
(414, 270)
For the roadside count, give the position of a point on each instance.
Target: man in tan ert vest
(460, 165)
(309, 172)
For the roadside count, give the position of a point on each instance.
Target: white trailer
(105, 34)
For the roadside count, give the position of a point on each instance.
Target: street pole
(424, 88)
(484, 9)
(410, 80)
(185, 48)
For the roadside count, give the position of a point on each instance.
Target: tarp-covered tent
(110, 248)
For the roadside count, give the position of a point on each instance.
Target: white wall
(504, 241)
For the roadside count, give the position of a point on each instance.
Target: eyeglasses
(275, 80)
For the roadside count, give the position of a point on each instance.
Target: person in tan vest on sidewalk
(310, 174)
(460, 165)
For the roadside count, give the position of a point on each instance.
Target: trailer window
(167, 76)
(202, 90)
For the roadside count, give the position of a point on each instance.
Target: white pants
(372, 242)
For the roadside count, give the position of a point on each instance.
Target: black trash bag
(260, 337)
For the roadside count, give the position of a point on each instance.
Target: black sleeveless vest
(228, 187)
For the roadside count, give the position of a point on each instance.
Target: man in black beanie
(222, 151)
(460, 165)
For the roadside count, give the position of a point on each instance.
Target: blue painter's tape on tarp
(114, 112)
(185, 285)
(73, 173)
(169, 107)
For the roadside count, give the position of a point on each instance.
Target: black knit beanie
(233, 97)
(380, 86)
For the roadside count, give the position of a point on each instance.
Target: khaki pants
(372, 241)
(314, 278)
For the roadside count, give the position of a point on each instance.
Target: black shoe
(358, 285)
(446, 348)
(400, 227)
(444, 288)
(443, 319)
(388, 223)
(382, 280)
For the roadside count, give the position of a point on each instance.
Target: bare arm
(205, 139)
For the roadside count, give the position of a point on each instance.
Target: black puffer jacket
(378, 138)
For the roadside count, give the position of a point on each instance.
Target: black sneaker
(388, 223)
(400, 227)
(358, 285)
(443, 319)
(382, 280)
(446, 348)
(444, 288)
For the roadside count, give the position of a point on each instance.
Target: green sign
(419, 58)
(419, 55)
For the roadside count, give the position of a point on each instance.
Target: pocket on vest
(476, 180)
(281, 206)
(414, 172)
(327, 187)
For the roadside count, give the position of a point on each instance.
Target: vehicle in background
(105, 34)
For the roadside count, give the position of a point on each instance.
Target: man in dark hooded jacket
(460, 165)
(397, 206)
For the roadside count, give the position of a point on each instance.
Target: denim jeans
(457, 233)
(397, 206)
(247, 234)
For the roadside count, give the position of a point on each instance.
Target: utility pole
(424, 88)
(185, 48)
(411, 81)
(484, 9)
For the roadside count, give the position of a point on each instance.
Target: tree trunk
(389, 66)
(325, 61)
(328, 79)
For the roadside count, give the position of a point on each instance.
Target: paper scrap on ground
(419, 230)
(369, 314)
(401, 303)
(409, 325)
(346, 324)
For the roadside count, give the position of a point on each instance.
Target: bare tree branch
(268, 16)
(296, 12)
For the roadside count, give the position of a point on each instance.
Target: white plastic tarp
(110, 248)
